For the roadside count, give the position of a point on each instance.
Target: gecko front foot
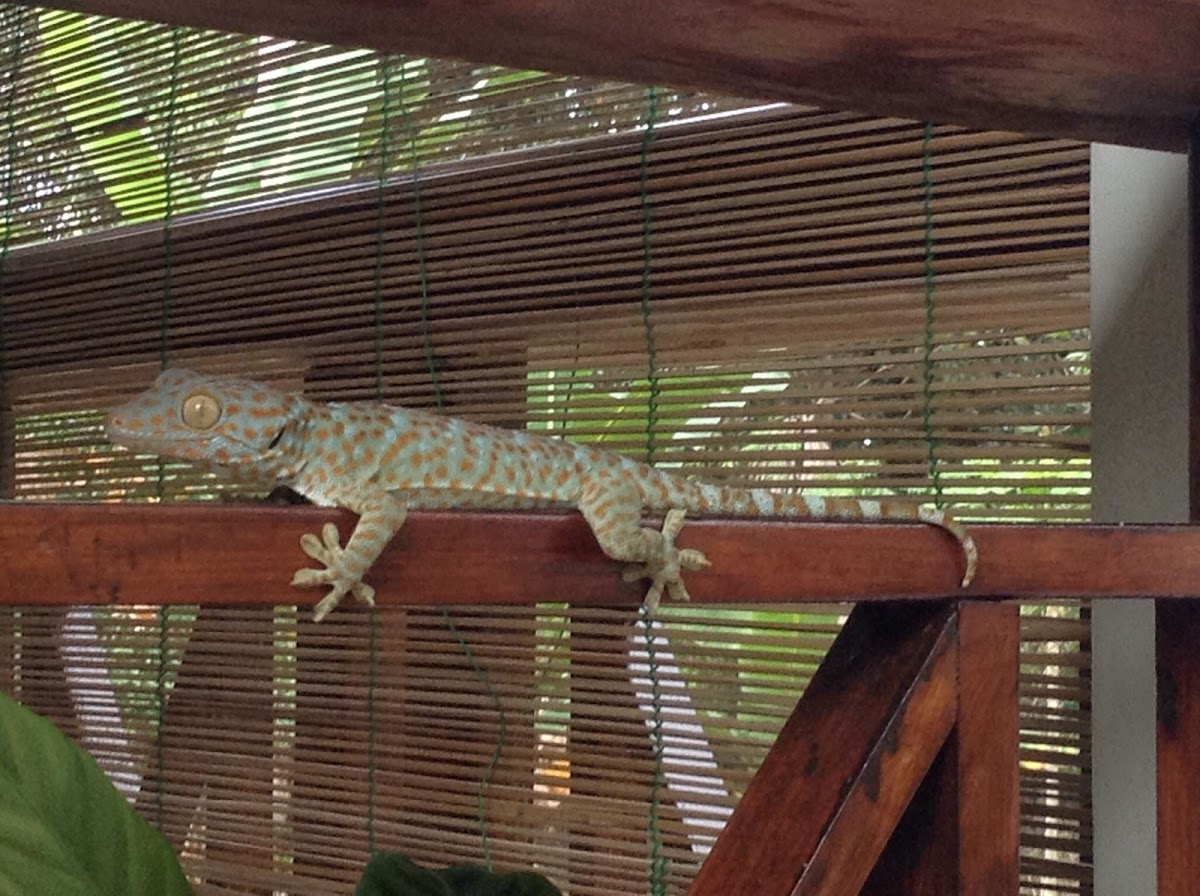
(665, 571)
(327, 550)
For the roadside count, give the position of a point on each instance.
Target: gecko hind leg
(665, 571)
(613, 510)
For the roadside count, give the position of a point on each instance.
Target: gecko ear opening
(278, 436)
(200, 411)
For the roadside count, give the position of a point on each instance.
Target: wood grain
(833, 787)
(246, 554)
(1105, 70)
(961, 833)
(987, 738)
(1178, 771)
(922, 857)
(1177, 633)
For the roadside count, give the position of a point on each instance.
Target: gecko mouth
(139, 442)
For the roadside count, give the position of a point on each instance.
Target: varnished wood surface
(246, 554)
(1177, 634)
(838, 778)
(961, 834)
(1178, 770)
(987, 739)
(1107, 70)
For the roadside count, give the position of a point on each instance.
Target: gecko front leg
(614, 513)
(381, 516)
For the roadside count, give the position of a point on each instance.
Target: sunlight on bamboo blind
(788, 284)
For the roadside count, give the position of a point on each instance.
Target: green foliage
(391, 874)
(64, 828)
(116, 103)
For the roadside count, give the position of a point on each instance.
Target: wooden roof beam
(1098, 70)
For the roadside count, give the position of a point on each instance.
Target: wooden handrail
(246, 554)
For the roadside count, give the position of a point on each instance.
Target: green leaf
(391, 874)
(114, 131)
(64, 828)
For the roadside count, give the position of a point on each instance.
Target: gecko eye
(200, 411)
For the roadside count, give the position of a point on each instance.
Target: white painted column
(1139, 253)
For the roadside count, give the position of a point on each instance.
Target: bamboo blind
(436, 231)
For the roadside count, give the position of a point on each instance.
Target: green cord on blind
(647, 208)
(658, 863)
(170, 133)
(382, 167)
(927, 354)
(414, 158)
(412, 135)
(14, 25)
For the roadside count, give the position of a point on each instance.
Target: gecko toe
(678, 591)
(309, 578)
(326, 604)
(653, 597)
(364, 593)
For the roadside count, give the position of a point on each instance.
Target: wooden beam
(961, 833)
(838, 778)
(246, 554)
(1177, 671)
(987, 737)
(1106, 70)
(1177, 631)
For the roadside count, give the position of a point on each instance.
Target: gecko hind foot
(327, 550)
(665, 571)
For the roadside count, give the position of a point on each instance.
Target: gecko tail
(704, 498)
(936, 517)
(854, 508)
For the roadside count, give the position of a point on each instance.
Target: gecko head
(219, 421)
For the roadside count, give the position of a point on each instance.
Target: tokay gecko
(377, 461)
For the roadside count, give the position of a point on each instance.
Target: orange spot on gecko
(466, 465)
(441, 472)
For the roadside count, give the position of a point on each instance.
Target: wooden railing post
(1177, 632)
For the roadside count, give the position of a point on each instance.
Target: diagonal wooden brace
(880, 711)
